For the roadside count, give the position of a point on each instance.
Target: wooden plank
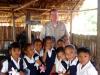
(98, 40)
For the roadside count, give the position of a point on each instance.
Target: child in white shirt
(14, 64)
(71, 56)
(60, 63)
(85, 67)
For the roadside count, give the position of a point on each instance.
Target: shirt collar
(14, 59)
(88, 64)
(74, 62)
(16, 63)
(36, 52)
(27, 57)
(29, 60)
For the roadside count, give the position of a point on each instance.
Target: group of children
(43, 58)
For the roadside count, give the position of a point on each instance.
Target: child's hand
(38, 62)
(22, 73)
(42, 68)
(46, 48)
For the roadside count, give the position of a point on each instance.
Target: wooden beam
(25, 5)
(98, 40)
(38, 9)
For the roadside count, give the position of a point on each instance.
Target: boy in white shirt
(14, 64)
(85, 67)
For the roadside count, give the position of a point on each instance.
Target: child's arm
(53, 69)
(45, 54)
(22, 73)
(38, 62)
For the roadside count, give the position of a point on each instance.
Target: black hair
(48, 38)
(83, 50)
(59, 49)
(14, 45)
(60, 40)
(70, 46)
(37, 40)
(26, 46)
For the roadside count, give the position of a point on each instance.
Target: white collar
(16, 63)
(87, 65)
(52, 49)
(50, 52)
(37, 52)
(29, 60)
(74, 62)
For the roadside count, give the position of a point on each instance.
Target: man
(55, 28)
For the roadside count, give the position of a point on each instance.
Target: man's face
(54, 15)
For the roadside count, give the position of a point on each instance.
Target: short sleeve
(4, 67)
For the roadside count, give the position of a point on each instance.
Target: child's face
(70, 53)
(83, 58)
(49, 44)
(38, 46)
(60, 44)
(29, 51)
(61, 55)
(15, 53)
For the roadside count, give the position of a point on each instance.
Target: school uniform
(50, 59)
(39, 54)
(41, 70)
(73, 66)
(88, 69)
(11, 67)
(60, 65)
(31, 64)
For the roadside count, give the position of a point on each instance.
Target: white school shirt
(41, 52)
(49, 52)
(32, 60)
(74, 62)
(88, 69)
(5, 66)
(59, 66)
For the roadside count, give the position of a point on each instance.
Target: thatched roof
(38, 9)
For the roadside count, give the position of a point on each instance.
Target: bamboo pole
(98, 40)
(14, 29)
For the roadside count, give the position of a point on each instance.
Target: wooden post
(71, 36)
(98, 40)
(14, 29)
(28, 29)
